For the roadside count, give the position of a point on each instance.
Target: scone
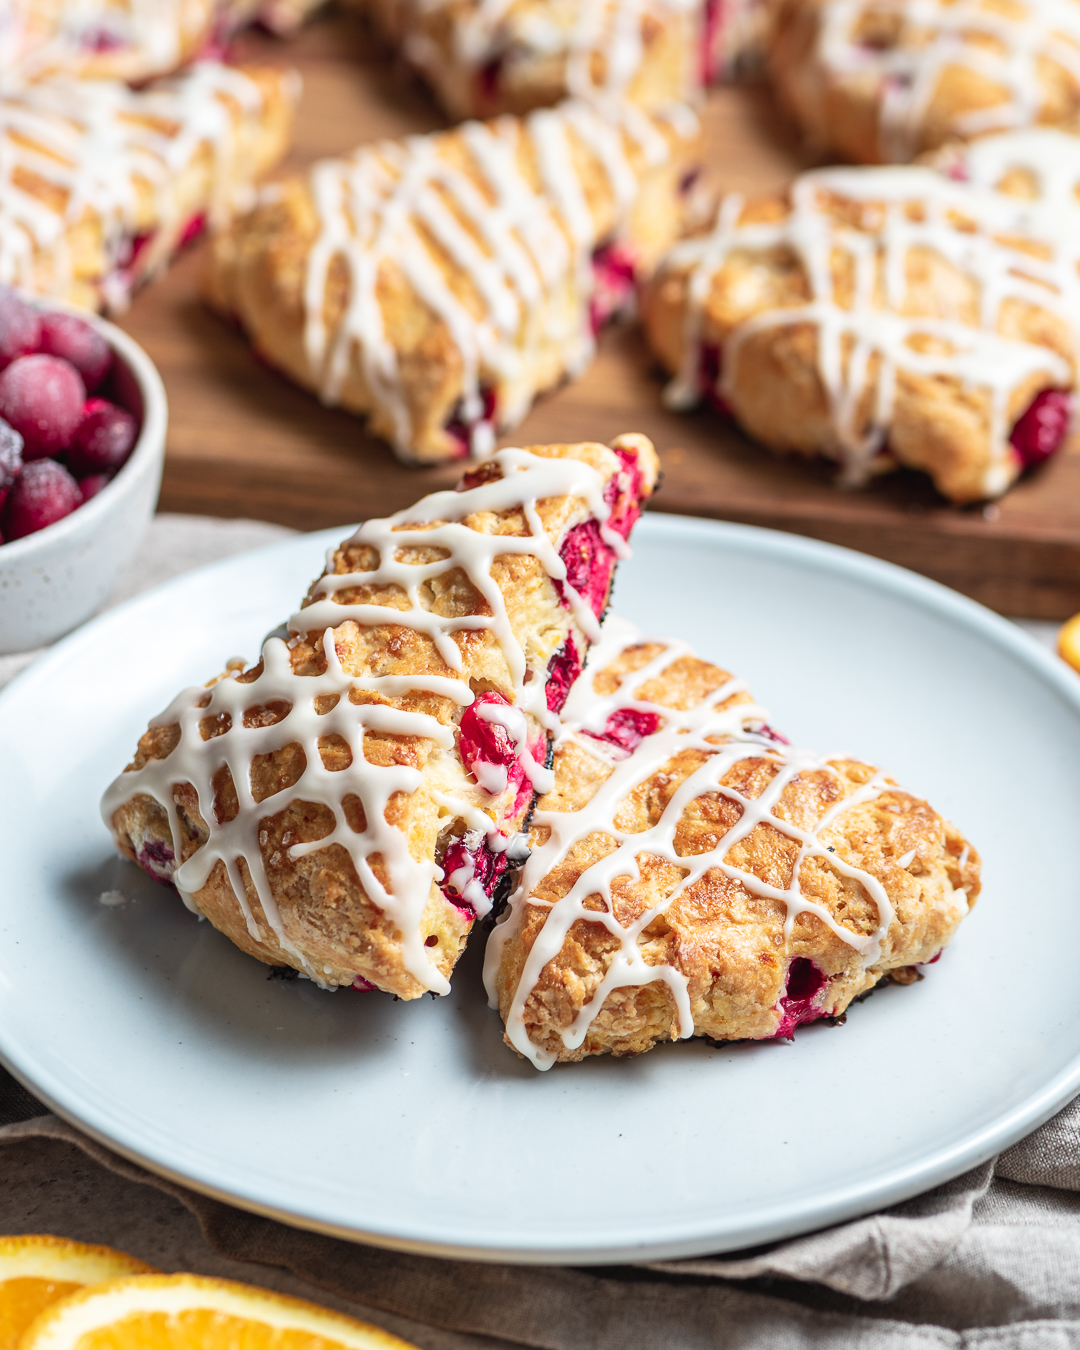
(100, 184)
(437, 284)
(878, 318)
(481, 59)
(348, 806)
(880, 81)
(693, 875)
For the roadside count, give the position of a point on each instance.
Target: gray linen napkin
(991, 1259)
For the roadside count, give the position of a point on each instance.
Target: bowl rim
(150, 443)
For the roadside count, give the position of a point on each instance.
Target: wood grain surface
(243, 441)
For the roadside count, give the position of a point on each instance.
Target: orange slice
(191, 1312)
(1068, 643)
(37, 1270)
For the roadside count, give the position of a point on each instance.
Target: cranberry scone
(438, 284)
(879, 318)
(880, 81)
(692, 874)
(348, 806)
(482, 59)
(100, 184)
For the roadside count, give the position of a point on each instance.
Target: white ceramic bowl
(52, 580)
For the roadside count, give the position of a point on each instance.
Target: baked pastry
(131, 40)
(438, 284)
(880, 318)
(881, 81)
(348, 806)
(481, 59)
(100, 184)
(694, 875)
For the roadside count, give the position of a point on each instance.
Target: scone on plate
(102, 183)
(438, 284)
(348, 805)
(879, 318)
(692, 874)
(482, 59)
(881, 81)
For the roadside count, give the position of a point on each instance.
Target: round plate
(411, 1124)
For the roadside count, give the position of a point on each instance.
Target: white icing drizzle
(88, 141)
(1004, 44)
(527, 479)
(489, 30)
(678, 731)
(526, 252)
(875, 323)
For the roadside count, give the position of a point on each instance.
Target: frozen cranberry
(20, 328)
(42, 397)
(72, 338)
(10, 459)
(42, 494)
(92, 484)
(103, 438)
(1042, 428)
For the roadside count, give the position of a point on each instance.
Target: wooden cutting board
(243, 441)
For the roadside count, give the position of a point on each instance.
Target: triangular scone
(437, 284)
(482, 59)
(692, 874)
(883, 80)
(348, 805)
(879, 318)
(100, 184)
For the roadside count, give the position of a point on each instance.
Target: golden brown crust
(324, 920)
(941, 418)
(881, 81)
(401, 330)
(721, 935)
(234, 124)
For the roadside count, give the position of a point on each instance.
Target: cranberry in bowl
(82, 444)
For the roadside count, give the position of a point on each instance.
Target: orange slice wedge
(191, 1312)
(37, 1270)
(1068, 643)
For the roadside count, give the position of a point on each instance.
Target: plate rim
(709, 1236)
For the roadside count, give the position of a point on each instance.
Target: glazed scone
(878, 318)
(100, 184)
(438, 284)
(881, 81)
(693, 875)
(482, 59)
(348, 805)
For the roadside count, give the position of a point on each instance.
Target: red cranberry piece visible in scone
(461, 429)
(103, 439)
(804, 983)
(1040, 430)
(470, 861)
(563, 669)
(626, 728)
(42, 397)
(41, 495)
(614, 267)
(20, 327)
(72, 338)
(488, 750)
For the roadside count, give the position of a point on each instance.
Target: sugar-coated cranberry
(103, 438)
(92, 484)
(11, 444)
(72, 338)
(42, 397)
(1042, 428)
(41, 495)
(20, 328)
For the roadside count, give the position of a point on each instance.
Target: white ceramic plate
(410, 1124)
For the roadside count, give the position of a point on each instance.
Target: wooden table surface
(243, 441)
